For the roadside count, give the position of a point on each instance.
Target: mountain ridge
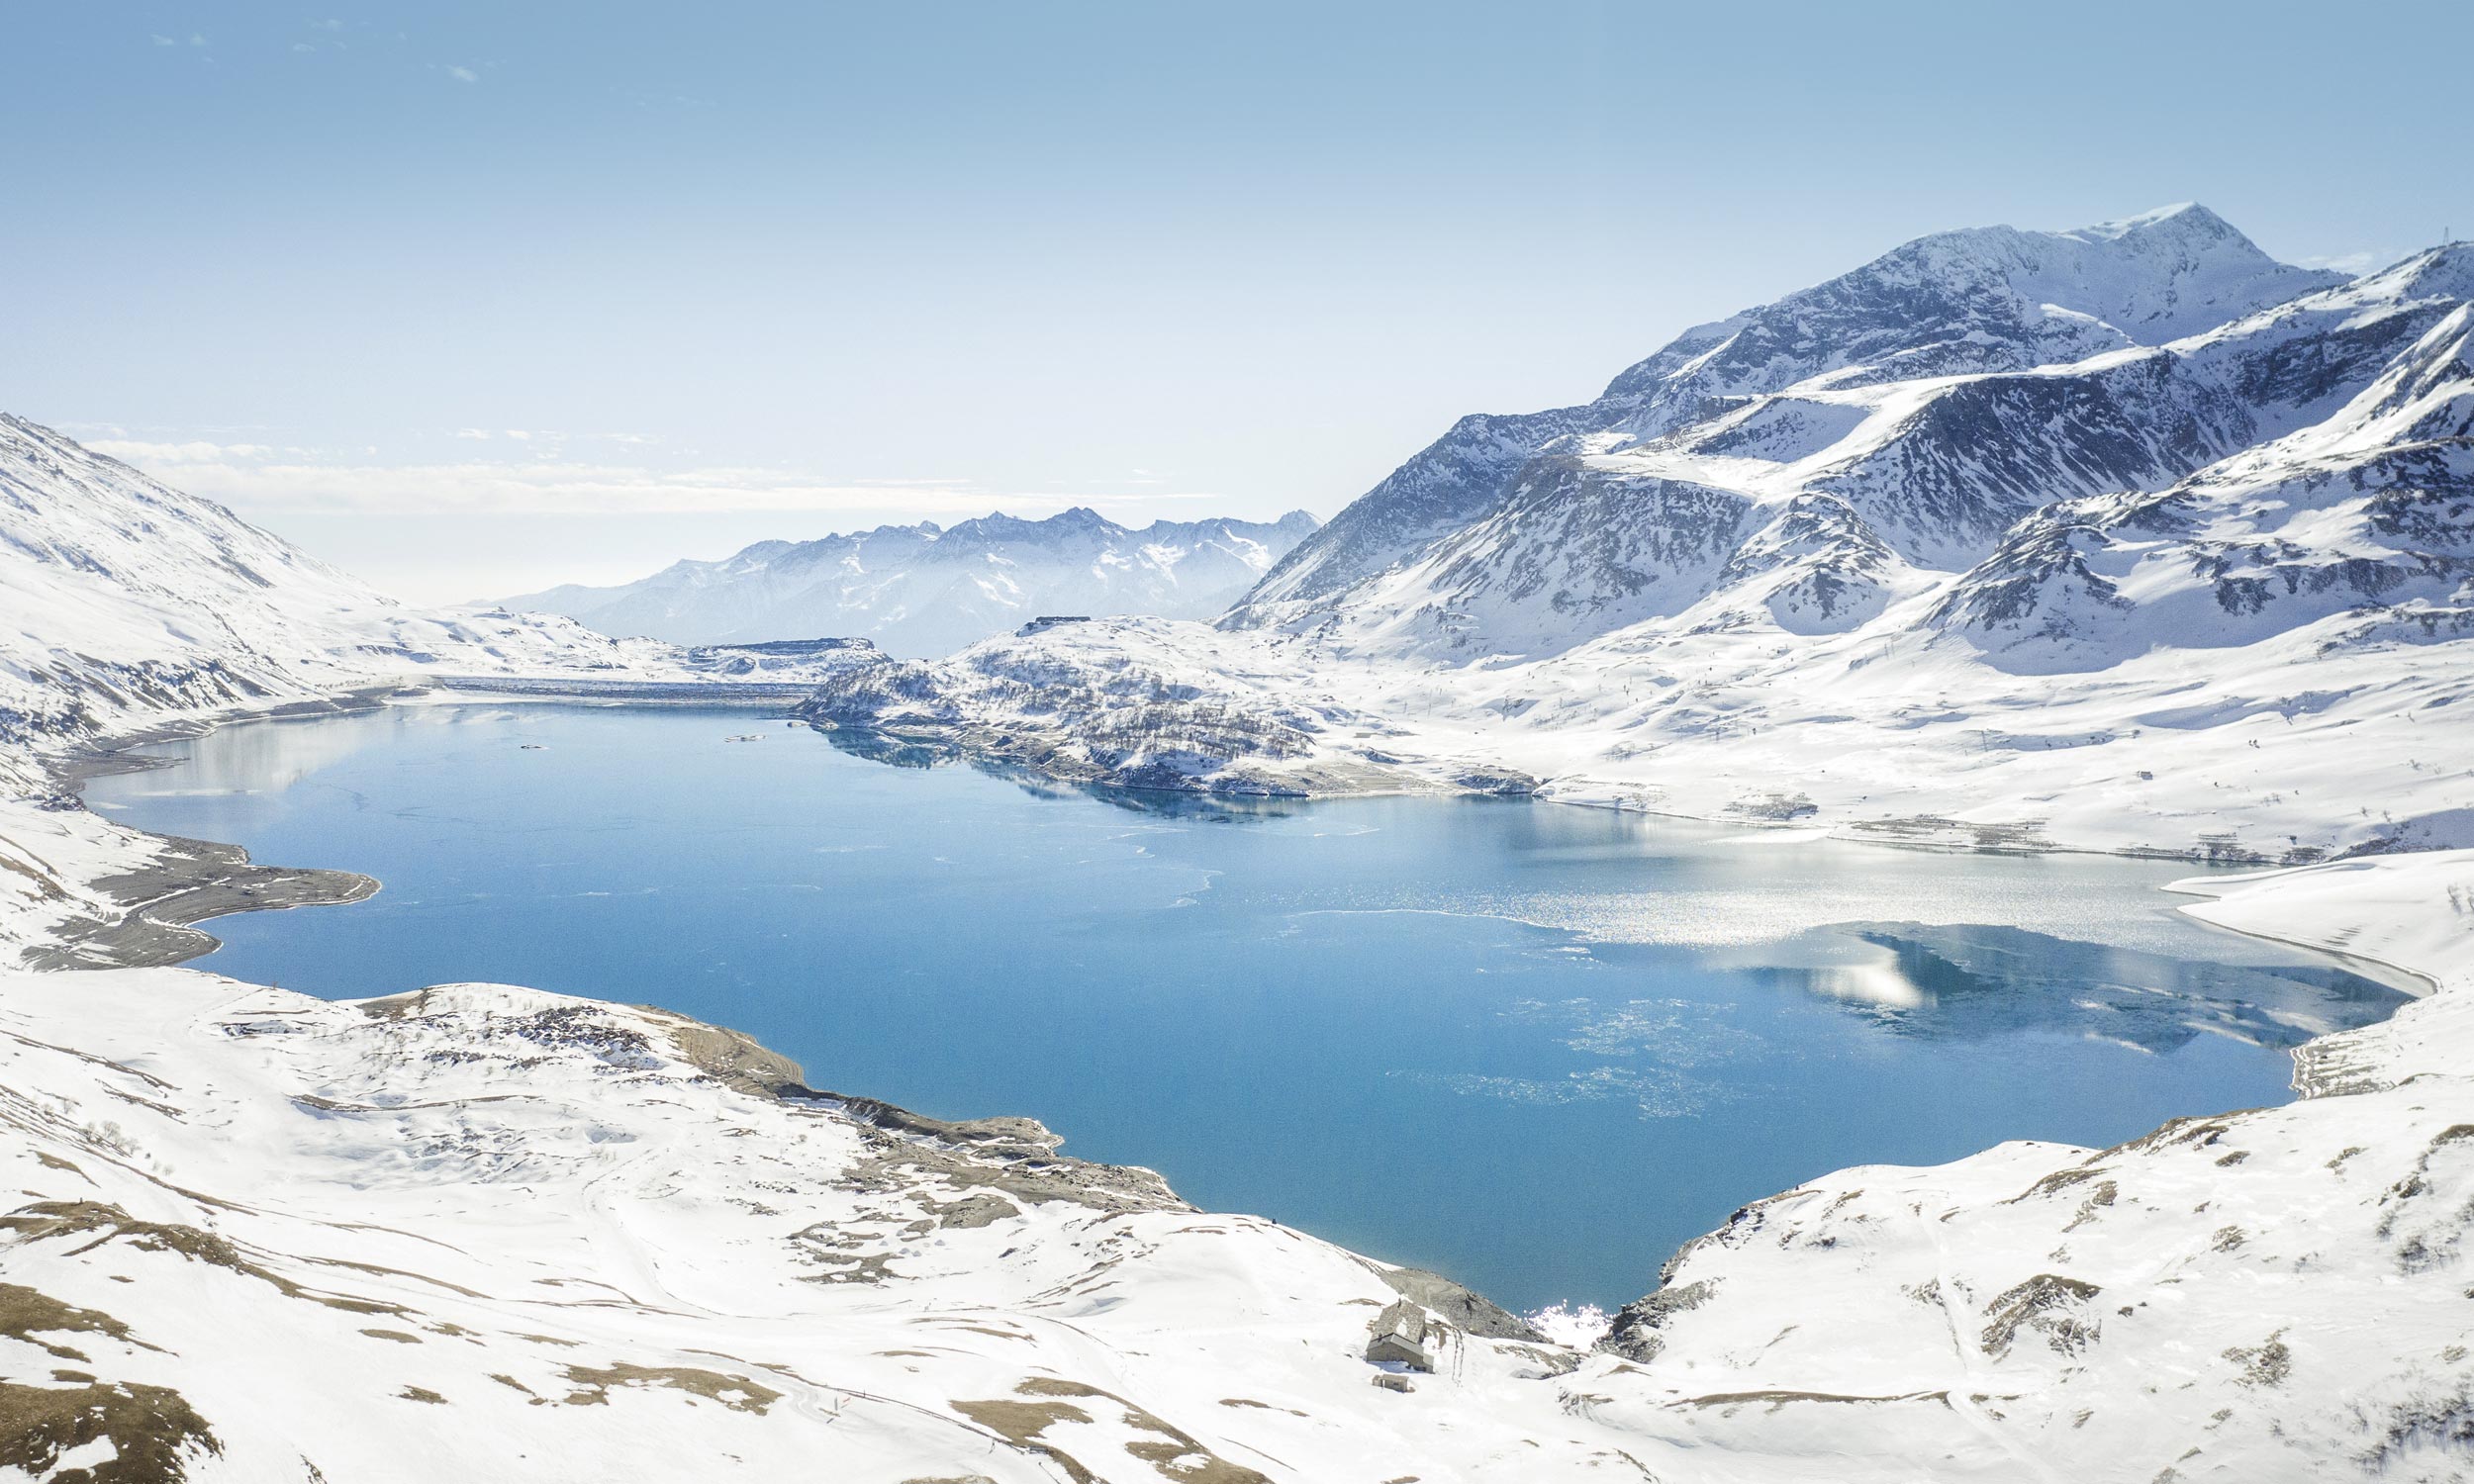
(1972, 300)
(929, 590)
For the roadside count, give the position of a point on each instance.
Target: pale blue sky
(754, 270)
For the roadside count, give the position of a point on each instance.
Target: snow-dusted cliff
(923, 590)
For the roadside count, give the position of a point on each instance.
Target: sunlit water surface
(1534, 1047)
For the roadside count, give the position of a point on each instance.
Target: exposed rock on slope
(2370, 513)
(1099, 714)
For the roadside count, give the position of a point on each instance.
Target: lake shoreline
(557, 846)
(185, 881)
(188, 882)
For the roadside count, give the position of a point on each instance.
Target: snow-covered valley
(2126, 539)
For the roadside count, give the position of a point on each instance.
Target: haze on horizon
(475, 298)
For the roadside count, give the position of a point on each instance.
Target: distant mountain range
(926, 591)
(1998, 522)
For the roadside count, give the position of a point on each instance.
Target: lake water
(1531, 1046)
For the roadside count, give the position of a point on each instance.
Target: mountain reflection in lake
(1972, 983)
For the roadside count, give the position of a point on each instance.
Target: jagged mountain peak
(1971, 301)
(1983, 298)
(1077, 522)
(2185, 227)
(2183, 218)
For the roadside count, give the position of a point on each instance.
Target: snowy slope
(2369, 512)
(917, 590)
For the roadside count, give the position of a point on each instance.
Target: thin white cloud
(547, 435)
(223, 472)
(164, 40)
(196, 451)
(2356, 263)
(463, 74)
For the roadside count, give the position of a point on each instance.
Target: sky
(476, 298)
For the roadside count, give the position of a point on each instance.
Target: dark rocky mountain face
(2372, 510)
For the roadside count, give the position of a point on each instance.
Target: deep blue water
(1534, 1047)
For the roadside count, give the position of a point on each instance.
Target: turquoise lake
(1529, 1045)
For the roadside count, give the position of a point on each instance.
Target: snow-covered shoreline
(1892, 754)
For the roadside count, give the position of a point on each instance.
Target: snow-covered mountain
(2005, 538)
(925, 590)
(1982, 301)
(1817, 506)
